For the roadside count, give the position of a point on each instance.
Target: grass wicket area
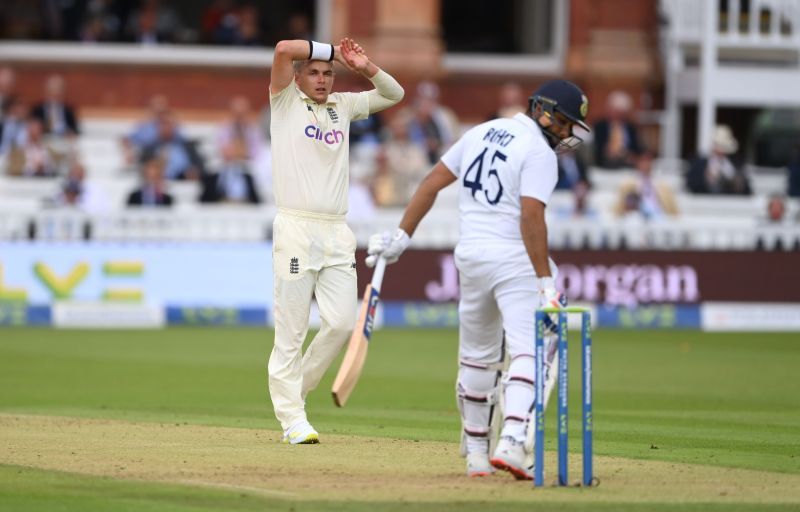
(180, 420)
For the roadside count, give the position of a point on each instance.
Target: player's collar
(530, 123)
(307, 99)
(526, 120)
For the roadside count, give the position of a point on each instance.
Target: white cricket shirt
(496, 163)
(310, 149)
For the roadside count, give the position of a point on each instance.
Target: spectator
(7, 83)
(249, 32)
(434, 126)
(402, 164)
(582, 208)
(33, 157)
(152, 192)
(511, 101)
(571, 170)
(367, 131)
(298, 26)
(716, 173)
(652, 199)
(234, 26)
(241, 129)
(181, 159)
(78, 192)
(153, 23)
(776, 209)
(233, 183)
(145, 134)
(12, 126)
(616, 142)
(57, 117)
(216, 16)
(93, 30)
(103, 21)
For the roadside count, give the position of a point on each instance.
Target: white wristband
(320, 51)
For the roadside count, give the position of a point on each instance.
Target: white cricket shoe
(510, 456)
(478, 465)
(301, 433)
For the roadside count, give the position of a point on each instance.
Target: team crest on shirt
(333, 114)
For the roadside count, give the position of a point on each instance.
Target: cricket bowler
(313, 248)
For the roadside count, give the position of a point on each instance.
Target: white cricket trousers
(499, 298)
(313, 255)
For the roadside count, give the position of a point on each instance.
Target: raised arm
(282, 73)
(286, 52)
(387, 90)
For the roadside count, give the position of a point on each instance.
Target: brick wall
(611, 45)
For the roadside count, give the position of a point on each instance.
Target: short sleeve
(356, 104)
(280, 102)
(539, 175)
(453, 156)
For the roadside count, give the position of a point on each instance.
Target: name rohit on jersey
(331, 137)
(500, 137)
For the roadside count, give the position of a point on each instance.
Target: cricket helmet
(565, 98)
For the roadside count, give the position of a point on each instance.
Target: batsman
(506, 171)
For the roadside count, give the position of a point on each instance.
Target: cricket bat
(356, 354)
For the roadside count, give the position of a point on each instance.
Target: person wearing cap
(506, 170)
(313, 248)
(717, 173)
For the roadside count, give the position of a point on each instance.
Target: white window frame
(515, 64)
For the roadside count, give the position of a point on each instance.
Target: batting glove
(380, 244)
(549, 297)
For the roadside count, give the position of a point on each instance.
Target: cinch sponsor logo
(331, 137)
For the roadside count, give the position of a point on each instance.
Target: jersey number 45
(472, 180)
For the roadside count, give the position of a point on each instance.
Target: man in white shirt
(313, 248)
(507, 171)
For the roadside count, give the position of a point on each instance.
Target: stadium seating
(704, 222)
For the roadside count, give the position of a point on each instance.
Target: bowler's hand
(353, 55)
(390, 247)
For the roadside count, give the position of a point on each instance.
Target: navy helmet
(567, 99)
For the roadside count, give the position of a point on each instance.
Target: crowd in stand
(391, 155)
(221, 22)
(41, 142)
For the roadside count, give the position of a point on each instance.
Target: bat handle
(377, 276)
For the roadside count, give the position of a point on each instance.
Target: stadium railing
(222, 223)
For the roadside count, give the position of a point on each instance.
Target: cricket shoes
(478, 465)
(510, 456)
(301, 433)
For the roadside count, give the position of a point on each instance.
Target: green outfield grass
(671, 399)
